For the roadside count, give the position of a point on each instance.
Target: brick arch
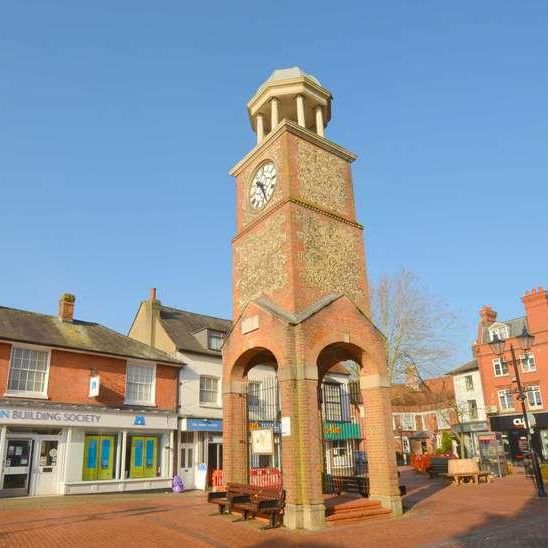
(257, 355)
(335, 353)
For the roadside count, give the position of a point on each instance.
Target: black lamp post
(526, 342)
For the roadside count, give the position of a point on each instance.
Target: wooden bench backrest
(463, 466)
(256, 492)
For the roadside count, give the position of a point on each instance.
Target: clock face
(262, 186)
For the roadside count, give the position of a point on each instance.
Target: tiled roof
(31, 327)
(515, 327)
(181, 325)
(469, 366)
(430, 393)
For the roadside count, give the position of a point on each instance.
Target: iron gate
(344, 457)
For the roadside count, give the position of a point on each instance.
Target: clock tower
(300, 293)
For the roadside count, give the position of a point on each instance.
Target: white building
(472, 418)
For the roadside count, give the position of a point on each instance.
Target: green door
(144, 458)
(98, 458)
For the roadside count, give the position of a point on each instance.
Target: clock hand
(261, 186)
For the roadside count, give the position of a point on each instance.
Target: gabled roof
(469, 366)
(34, 328)
(181, 325)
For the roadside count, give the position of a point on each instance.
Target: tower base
(304, 516)
(393, 503)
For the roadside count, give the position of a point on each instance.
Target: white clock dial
(263, 185)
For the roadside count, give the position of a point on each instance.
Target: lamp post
(525, 341)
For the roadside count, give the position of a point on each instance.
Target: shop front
(470, 432)
(55, 450)
(201, 449)
(514, 437)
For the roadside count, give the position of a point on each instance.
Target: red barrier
(217, 481)
(263, 477)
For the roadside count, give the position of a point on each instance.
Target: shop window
(505, 399)
(140, 384)
(99, 457)
(28, 372)
(144, 456)
(500, 367)
(187, 437)
(534, 398)
(209, 390)
(528, 363)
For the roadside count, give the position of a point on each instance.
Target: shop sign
(286, 426)
(261, 425)
(341, 431)
(94, 385)
(262, 441)
(204, 425)
(64, 417)
(501, 423)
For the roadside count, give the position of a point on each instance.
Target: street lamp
(526, 342)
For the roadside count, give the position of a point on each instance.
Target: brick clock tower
(301, 298)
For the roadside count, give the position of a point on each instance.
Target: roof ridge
(195, 313)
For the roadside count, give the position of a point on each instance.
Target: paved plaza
(504, 513)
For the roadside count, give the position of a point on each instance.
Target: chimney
(536, 309)
(66, 307)
(153, 313)
(487, 317)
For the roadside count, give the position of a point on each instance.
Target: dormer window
(498, 330)
(215, 340)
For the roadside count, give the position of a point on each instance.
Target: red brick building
(422, 411)
(82, 408)
(503, 408)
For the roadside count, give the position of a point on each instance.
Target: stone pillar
(235, 460)
(319, 120)
(274, 113)
(302, 453)
(300, 110)
(260, 128)
(381, 450)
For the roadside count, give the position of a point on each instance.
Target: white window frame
(205, 403)
(469, 386)
(211, 334)
(472, 416)
(443, 419)
(499, 362)
(499, 329)
(151, 403)
(411, 424)
(529, 390)
(507, 392)
(528, 358)
(29, 393)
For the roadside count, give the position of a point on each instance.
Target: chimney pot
(152, 293)
(66, 307)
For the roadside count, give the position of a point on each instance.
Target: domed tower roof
(292, 94)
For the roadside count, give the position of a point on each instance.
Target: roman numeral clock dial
(262, 185)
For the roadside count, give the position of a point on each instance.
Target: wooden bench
(254, 500)
(460, 470)
(223, 498)
(251, 501)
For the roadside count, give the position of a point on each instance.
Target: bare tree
(419, 328)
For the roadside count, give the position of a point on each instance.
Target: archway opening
(342, 420)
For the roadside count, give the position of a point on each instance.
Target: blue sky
(120, 120)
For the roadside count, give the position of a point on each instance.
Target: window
(500, 367)
(332, 402)
(528, 363)
(500, 330)
(505, 399)
(209, 390)
(443, 418)
(140, 384)
(99, 457)
(469, 382)
(408, 421)
(28, 374)
(534, 398)
(255, 404)
(215, 340)
(472, 409)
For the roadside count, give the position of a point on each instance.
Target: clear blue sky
(119, 122)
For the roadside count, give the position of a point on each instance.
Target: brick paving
(504, 513)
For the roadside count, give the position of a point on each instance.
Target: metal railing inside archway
(343, 438)
(264, 430)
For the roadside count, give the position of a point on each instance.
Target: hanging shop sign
(94, 385)
(337, 430)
